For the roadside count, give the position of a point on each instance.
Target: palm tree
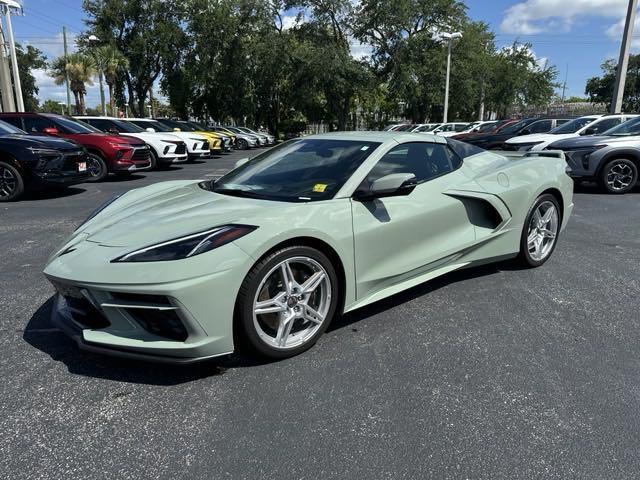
(81, 69)
(111, 62)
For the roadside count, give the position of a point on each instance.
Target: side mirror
(114, 131)
(590, 131)
(50, 131)
(393, 185)
(241, 162)
(150, 130)
(526, 131)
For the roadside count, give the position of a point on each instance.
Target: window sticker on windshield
(320, 187)
(365, 148)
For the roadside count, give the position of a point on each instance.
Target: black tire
(525, 258)
(242, 144)
(618, 176)
(246, 336)
(11, 182)
(97, 168)
(153, 157)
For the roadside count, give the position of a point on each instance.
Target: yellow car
(220, 131)
(216, 142)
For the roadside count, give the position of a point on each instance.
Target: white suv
(450, 129)
(166, 148)
(588, 125)
(197, 145)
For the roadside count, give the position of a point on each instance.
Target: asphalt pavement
(493, 372)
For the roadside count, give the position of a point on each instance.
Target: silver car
(612, 159)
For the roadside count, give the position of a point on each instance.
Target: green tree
(600, 89)
(81, 70)
(51, 106)
(148, 33)
(29, 59)
(112, 63)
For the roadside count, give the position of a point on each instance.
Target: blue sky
(579, 34)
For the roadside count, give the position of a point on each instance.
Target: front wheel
(242, 144)
(619, 176)
(11, 183)
(286, 302)
(97, 168)
(540, 232)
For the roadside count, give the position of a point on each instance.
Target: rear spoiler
(544, 153)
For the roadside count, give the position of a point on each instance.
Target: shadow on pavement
(40, 334)
(36, 195)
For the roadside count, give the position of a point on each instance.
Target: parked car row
(41, 150)
(601, 148)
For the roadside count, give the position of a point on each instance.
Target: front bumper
(61, 171)
(172, 312)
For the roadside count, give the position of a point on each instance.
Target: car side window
(424, 160)
(605, 125)
(541, 126)
(38, 124)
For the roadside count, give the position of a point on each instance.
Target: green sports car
(268, 255)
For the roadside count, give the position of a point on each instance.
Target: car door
(400, 237)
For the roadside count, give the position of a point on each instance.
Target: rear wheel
(286, 302)
(11, 182)
(619, 176)
(242, 144)
(96, 167)
(540, 232)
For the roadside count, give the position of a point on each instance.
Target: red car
(107, 153)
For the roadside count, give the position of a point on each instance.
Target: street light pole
(103, 106)
(623, 62)
(450, 37)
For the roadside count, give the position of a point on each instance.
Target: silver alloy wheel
(8, 182)
(291, 303)
(93, 166)
(543, 231)
(619, 176)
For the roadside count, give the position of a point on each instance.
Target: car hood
(168, 137)
(540, 137)
(40, 141)
(187, 135)
(169, 210)
(588, 141)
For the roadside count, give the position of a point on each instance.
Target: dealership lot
(493, 372)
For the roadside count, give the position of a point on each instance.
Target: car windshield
(73, 126)
(573, 126)
(300, 170)
(127, 127)
(487, 127)
(157, 126)
(516, 127)
(628, 128)
(174, 124)
(8, 129)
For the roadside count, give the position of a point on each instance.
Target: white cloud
(538, 16)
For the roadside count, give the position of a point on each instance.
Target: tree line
(243, 61)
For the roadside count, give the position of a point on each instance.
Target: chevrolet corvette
(267, 256)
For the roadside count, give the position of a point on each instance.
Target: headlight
(121, 145)
(188, 246)
(99, 209)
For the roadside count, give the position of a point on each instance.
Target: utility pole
(66, 72)
(17, 86)
(564, 86)
(623, 62)
(450, 37)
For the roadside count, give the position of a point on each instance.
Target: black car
(527, 126)
(36, 162)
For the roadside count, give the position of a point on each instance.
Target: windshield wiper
(234, 192)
